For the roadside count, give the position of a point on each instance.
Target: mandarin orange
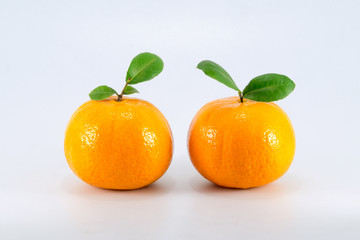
(241, 144)
(118, 144)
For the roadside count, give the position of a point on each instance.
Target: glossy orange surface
(118, 145)
(241, 145)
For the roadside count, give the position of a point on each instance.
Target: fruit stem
(241, 97)
(120, 96)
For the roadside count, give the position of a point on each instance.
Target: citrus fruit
(244, 141)
(241, 145)
(118, 144)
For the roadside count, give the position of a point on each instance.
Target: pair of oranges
(127, 143)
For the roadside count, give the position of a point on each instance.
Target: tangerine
(241, 144)
(123, 144)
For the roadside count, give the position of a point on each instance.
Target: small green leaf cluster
(264, 88)
(143, 67)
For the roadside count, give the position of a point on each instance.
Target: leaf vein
(141, 69)
(268, 87)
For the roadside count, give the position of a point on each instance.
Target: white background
(53, 53)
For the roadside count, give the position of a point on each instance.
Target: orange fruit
(118, 145)
(241, 145)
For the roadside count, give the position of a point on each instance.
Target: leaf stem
(241, 97)
(120, 96)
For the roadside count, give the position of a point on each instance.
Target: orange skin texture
(241, 145)
(118, 145)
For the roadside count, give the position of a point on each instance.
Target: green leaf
(269, 87)
(130, 90)
(144, 67)
(216, 72)
(101, 92)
